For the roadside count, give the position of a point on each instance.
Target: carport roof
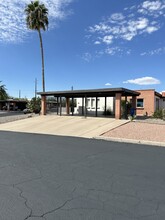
(14, 100)
(110, 92)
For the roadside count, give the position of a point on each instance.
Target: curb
(132, 141)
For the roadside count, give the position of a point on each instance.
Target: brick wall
(163, 94)
(148, 97)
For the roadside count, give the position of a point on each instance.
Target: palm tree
(3, 93)
(37, 19)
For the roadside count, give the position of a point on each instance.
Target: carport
(13, 104)
(118, 93)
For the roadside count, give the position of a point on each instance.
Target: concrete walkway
(64, 125)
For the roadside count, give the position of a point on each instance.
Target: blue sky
(89, 44)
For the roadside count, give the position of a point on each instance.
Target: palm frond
(3, 93)
(36, 16)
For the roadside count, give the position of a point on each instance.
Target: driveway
(47, 177)
(64, 125)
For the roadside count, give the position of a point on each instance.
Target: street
(65, 178)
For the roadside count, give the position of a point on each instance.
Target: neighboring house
(12, 105)
(149, 101)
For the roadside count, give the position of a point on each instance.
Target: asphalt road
(64, 178)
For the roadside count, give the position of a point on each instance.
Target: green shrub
(107, 112)
(34, 105)
(163, 114)
(158, 114)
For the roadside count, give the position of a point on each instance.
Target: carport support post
(67, 106)
(105, 109)
(96, 107)
(126, 108)
(118, 106)
(85, 107)
(72, 106)
(57, 104)
(8, 106)
(43, 105)
(60, 105)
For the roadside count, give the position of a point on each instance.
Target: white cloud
(97, 42)
(157, 51)
(141, 23)
(151, 29)
(122, 27)
(12, 17)
(152, 5)
(127, 30)
(87, 57)
(108, 39)
(108, 84)
(113, 50)
(100, 28)
(117, 17)
(143, 81)
(128, 36)
(152, 8)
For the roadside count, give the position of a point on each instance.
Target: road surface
(65, 178)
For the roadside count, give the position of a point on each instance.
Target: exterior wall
(148, 97)
(158, 103)
(91, 105)
(163, 100)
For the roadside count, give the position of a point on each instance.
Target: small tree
(125, 108)
(35, 105)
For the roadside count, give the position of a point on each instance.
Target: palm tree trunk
(42, 57)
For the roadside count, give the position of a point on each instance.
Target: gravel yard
(151, 130)
(12, 116)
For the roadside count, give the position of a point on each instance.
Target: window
(88, 103)
(140, 103)
(93, 103)
(98, 103)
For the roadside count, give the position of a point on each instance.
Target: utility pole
(19, 94)
(35, 88)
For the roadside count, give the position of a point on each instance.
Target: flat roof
(110, 92)
(13, 100)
